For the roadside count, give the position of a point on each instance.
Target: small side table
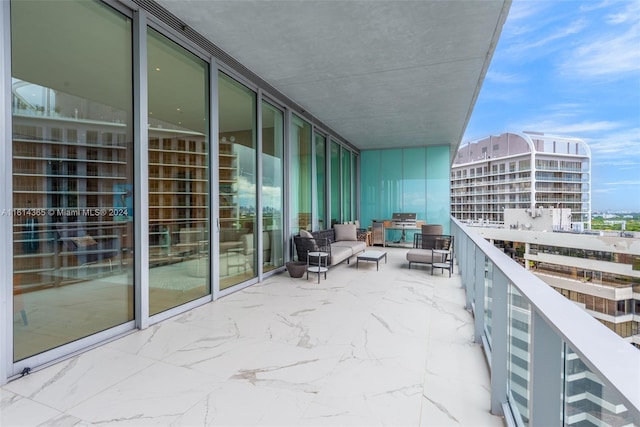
(447, 261)
(321, 267)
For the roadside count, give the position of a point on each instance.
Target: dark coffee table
(372, 256)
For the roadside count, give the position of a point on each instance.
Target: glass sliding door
(346, 186)
(320, 156)
(335, 183)
(272, 187)
(72, 172)
(178, 175)
(237, 182)
(300, 175)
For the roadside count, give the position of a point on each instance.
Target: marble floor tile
(157, 395)
(74, 380)
(19, 411)
(392, 347)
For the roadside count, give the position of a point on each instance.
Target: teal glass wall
(390, 183)
(438, 186)
(414, 181)
(405, 180)
(354, 182)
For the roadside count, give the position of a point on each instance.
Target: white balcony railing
(551, 362)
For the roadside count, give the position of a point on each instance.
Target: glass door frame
(9, 368)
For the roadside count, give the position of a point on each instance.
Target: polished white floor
(392, 347)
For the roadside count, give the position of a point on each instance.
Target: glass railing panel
(488, 298)
(519, 342)
(587, 401)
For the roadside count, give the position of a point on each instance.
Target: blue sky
(571, 68)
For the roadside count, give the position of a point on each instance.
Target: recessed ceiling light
(157, 68)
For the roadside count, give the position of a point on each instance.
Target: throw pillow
(313, 245)
(345, 232)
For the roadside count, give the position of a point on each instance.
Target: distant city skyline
(571, 68)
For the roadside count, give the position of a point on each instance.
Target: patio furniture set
(319, 250)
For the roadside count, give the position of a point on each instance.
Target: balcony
(363, 347)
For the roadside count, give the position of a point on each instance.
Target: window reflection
(301, 175)
(178, 175)
(237, 174)
(272, 187)
(320, 179)
(72, 173)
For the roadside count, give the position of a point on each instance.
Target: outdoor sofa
(340, 242)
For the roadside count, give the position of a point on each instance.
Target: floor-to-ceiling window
(321, 184)
(301, 178)
(72, 172)
(178, 174)
(346, 185)
(335, 183)
(237, 176)
(272, 187)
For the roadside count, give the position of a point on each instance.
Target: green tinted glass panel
(335, 183)
(321, 182)
(301, 217)
(237, 161)
(178, 175)
(72, 122)
(272, 187)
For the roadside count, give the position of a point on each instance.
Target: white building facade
(528, 170)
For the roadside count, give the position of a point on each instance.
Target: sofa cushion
(356, 246)
(424, 256)
(339, 254)
(345, 232)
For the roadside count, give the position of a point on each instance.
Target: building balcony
(363, 347)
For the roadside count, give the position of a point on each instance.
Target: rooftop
(363, 347)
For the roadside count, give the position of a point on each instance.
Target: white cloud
(610, 48)
(551, 125)
(612, 55)
(631, 13)
(627, 182)
(505, 78)
(621, 148)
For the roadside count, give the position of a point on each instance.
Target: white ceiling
(380, 73)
